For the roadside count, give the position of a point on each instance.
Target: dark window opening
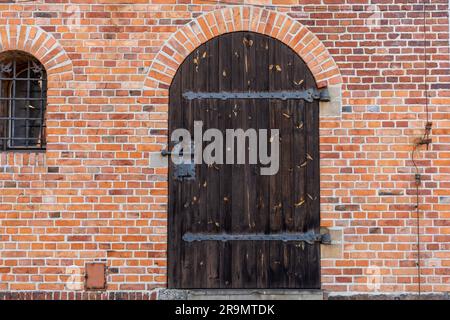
(23, 100)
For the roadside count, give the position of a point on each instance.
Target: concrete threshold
(240, 294)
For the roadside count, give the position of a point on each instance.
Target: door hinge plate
(184, 171)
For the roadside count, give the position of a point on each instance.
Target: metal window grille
(23, 100)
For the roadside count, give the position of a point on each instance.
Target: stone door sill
(240, 294)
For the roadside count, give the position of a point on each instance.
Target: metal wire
(424, 140)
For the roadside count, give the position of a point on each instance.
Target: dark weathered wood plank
(225, 196)
(175, 195)
(211, 182)
(261, 83)
(187, 214)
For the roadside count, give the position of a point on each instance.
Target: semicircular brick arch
(240, 18)
(41, 45)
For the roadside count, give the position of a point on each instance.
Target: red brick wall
(97, 195)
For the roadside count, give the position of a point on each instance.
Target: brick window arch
(23, 101)
(45, 49)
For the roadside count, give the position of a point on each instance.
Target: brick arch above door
(240, 18)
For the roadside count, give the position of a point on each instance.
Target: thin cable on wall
(424, 140)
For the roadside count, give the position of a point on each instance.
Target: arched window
(23, 100)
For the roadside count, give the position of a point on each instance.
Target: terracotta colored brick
(95, 195)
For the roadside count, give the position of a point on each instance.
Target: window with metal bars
(23, 100)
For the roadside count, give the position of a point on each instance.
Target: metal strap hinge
(308, 95)
(309, 237)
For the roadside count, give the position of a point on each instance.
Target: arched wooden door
(217, 202)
